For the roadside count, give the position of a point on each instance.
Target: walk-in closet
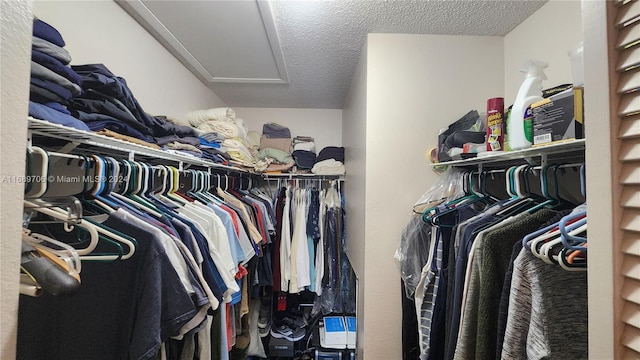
(276, 193)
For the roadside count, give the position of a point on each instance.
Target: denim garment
(43, 112)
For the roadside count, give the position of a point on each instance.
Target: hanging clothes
(176, 297)
(466, 299)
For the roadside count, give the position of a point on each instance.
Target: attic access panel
(220, 41)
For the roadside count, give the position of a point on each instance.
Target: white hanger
(545, 249)
(116, 237)
(65, 252)
(61, 214)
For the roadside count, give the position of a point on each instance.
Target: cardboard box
(351, 331)
(333, 334)
(559, 117)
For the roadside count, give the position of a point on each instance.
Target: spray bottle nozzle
(534, 68)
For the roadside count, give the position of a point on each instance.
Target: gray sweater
(547, 312)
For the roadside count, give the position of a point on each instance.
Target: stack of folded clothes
(53, 83)
(276, 148)
(107, 102)
(330, 161)
(304, 153)
(231, 130)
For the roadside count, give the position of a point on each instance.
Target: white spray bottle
(520, 126)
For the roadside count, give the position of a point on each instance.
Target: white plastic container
(577, 65)
(520, 126)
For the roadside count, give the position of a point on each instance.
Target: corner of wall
(15, 37)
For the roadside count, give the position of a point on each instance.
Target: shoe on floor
(285, 332)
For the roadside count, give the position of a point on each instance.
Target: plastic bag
(450, 185)
(413, 252)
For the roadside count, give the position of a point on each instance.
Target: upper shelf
(538, 155)
(92, 143)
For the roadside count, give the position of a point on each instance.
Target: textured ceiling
(321, 41)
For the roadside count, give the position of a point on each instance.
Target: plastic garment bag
(413, 252)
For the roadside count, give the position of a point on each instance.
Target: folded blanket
(51, 49)
(331, 152)
(279, 167)
(253, 139)
(227, 129)
(275, 154)
(304, 159)
(275, 130)
(283, 144)
(220, 114)
(328, 167)
(239, 151)
(182, 146)
(242, 129)
(305, 146)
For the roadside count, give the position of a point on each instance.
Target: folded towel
(275, 130)
(283, 144)
(220, 114)
(279, 156)
(305, 146)
(300, 139)
(47, 32)
(328, 167)
(304, 159)
(51, 49)
(331, 152)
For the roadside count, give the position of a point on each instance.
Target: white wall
(324, 125)
(102, 32)
(353, 129)
(15, 30)
(428, 83)
(549, 34)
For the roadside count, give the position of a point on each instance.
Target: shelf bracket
(29, 139)
(543, 160)
(132, 156)
(67, 149)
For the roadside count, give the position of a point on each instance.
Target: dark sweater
(496, 256)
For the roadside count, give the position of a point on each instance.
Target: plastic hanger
(40, 167)
(544, 252)
(60, 214)
(66, 254)
(569, 238)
